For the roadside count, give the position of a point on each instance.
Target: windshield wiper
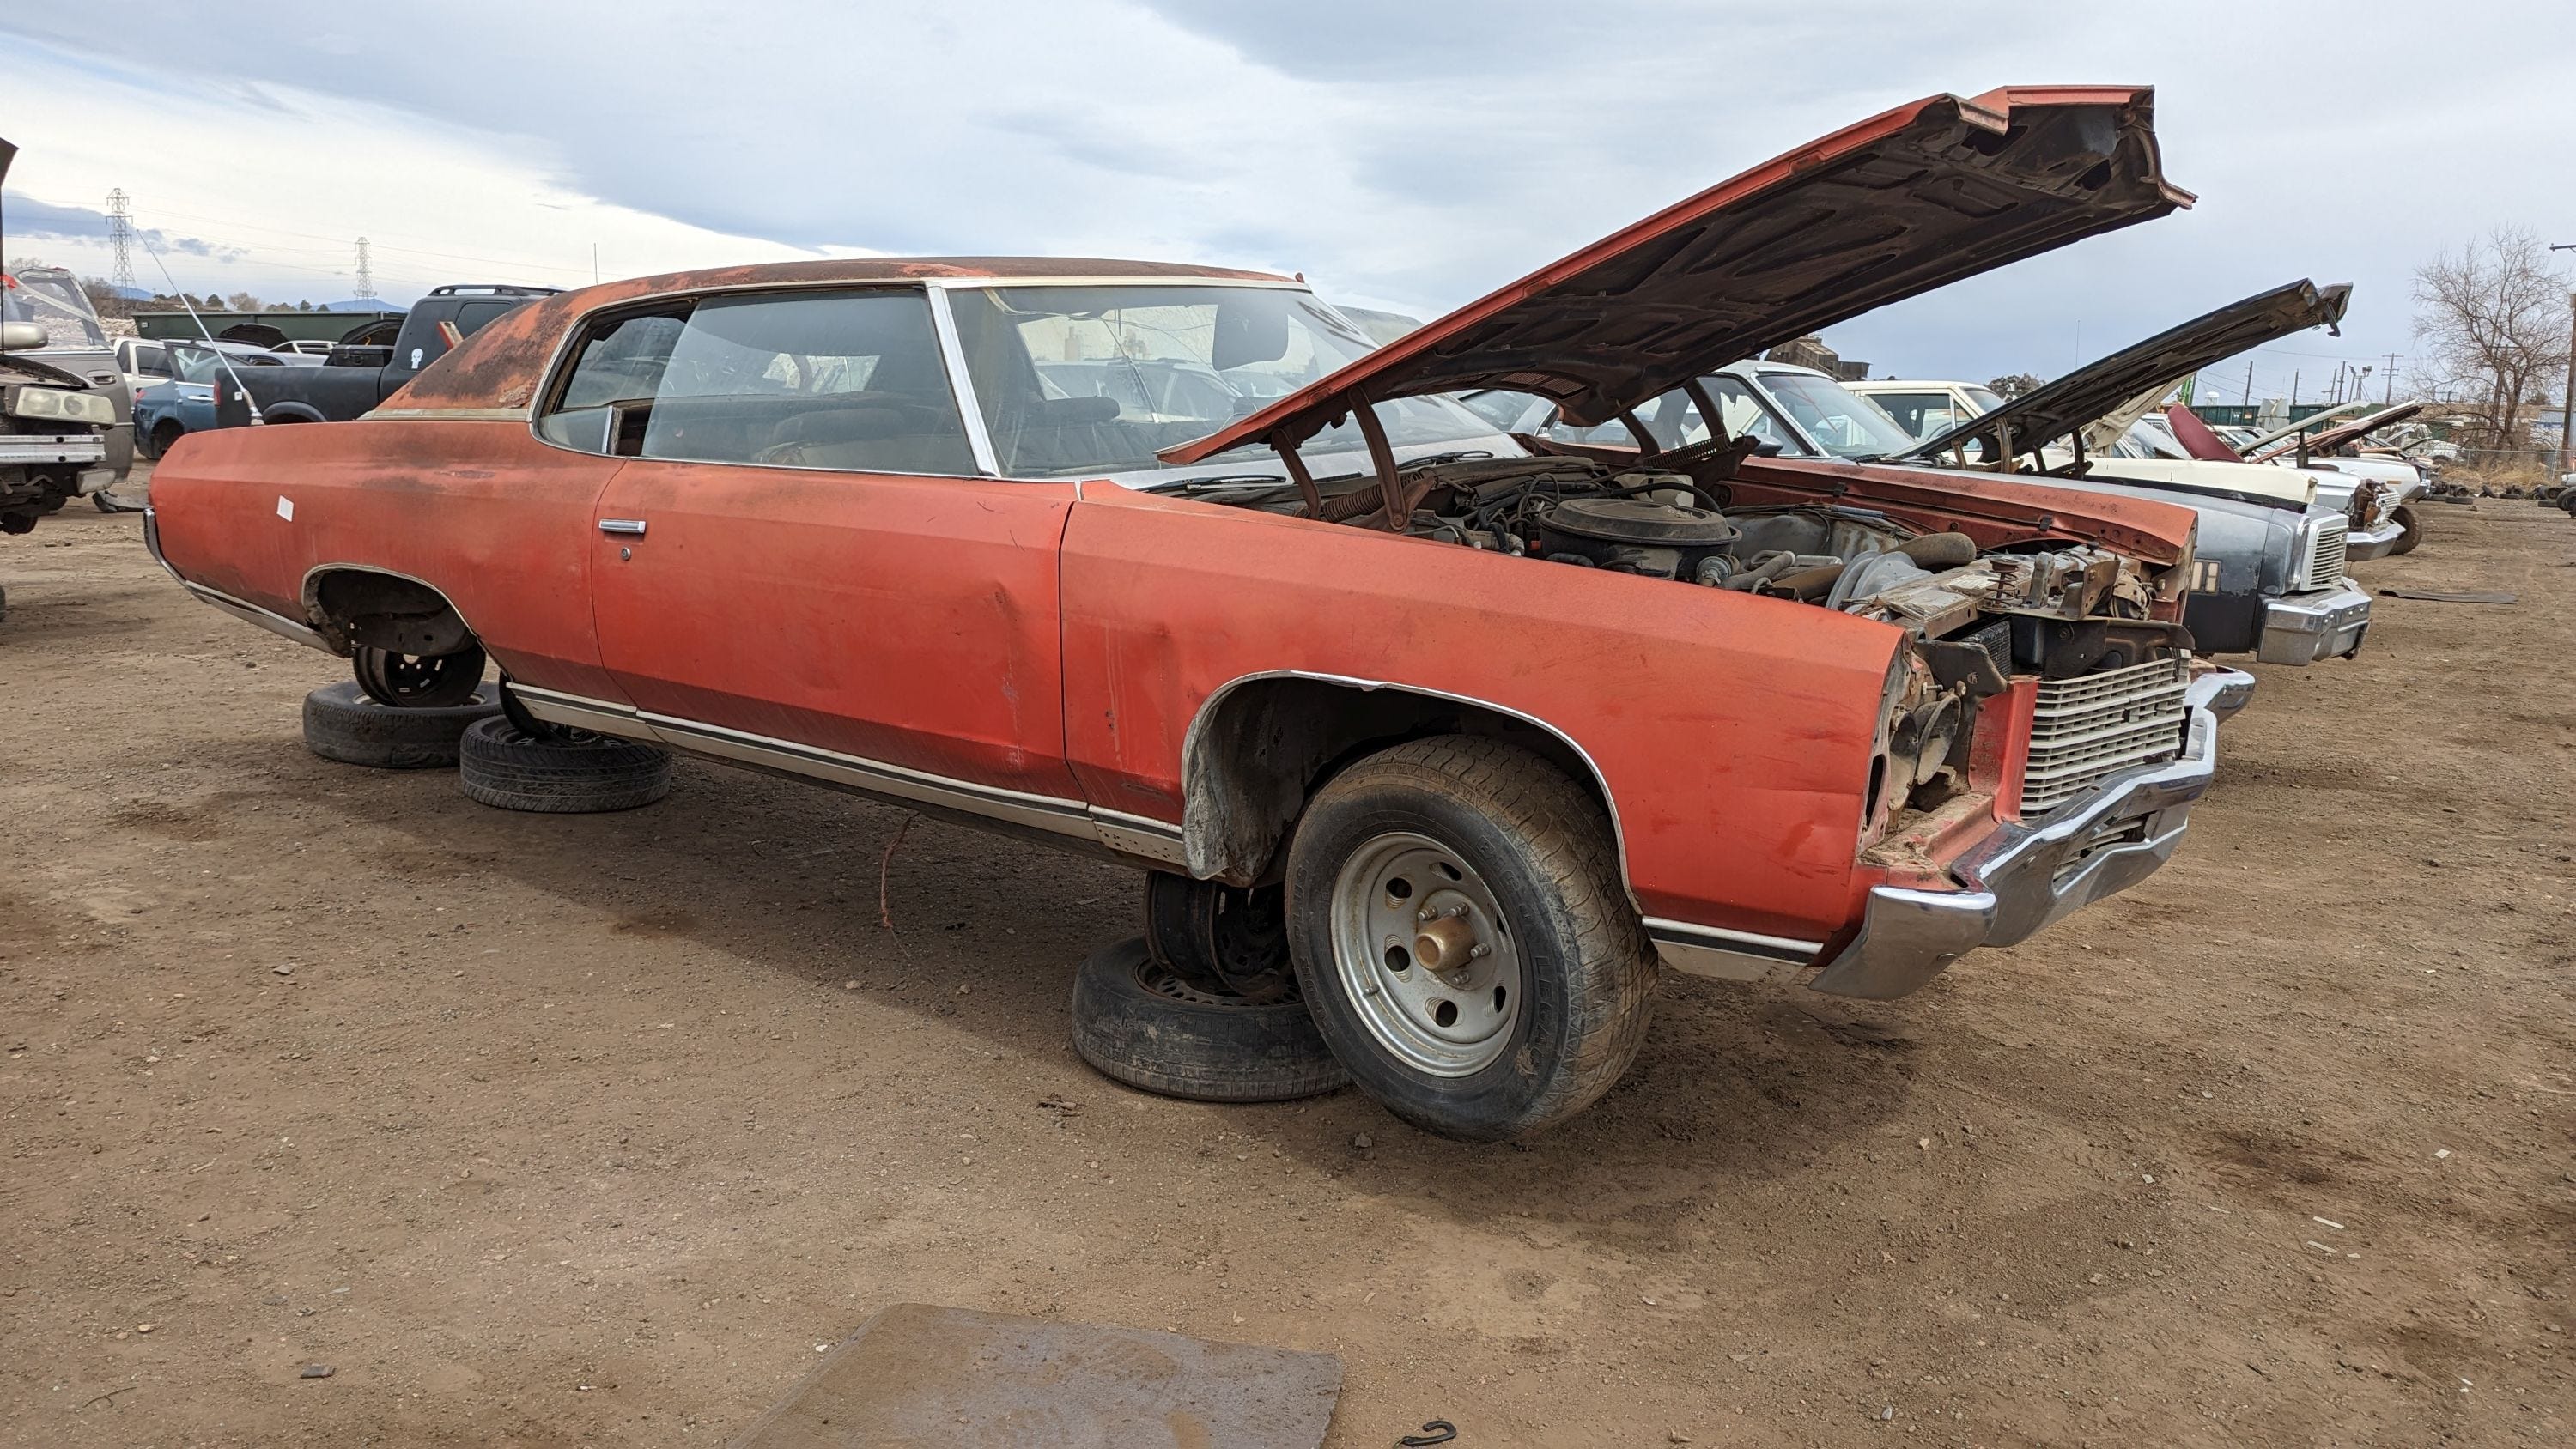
(1433, 460)
(1218, 480)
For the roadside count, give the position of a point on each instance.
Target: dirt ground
(548, 1131)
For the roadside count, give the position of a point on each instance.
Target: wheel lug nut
(1422, 915)
(1480, 949)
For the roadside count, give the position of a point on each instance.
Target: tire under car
(1510, 991)
(561, 773)
(342, 723)
(1137, 1021)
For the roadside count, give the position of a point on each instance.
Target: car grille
(2086, 730)
(2325, 554)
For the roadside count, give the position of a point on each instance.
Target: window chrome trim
(555, 376)
(952, 357)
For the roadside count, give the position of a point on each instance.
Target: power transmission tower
(120, 241)
(366, 288)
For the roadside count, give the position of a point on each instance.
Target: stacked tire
(1451, 935)
(408, 712)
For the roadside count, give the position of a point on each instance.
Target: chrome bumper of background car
(2361, 545)
(2034, 872)
(2319, 624)
(52, 448)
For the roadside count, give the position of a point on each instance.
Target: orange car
(1167, 564)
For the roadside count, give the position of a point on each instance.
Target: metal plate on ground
(920, 1376)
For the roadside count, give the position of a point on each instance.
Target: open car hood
(2313, 422)
(2329, 439)
(1909, 200)
(2056, 409)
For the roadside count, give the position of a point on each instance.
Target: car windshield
(55, 302)
(1841, 421)
(1092, 380)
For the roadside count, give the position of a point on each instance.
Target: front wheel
(1459, 931)
(2410, 530)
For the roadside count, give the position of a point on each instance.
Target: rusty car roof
(1906, 201)
(497, 369)
(2055, 409)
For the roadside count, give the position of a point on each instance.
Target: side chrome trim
(1727, 955)
(961, 387)
(1195, 740)
(1137, 836)
(574, 710)
(1140, 835)
(270, 620)
(875, 777)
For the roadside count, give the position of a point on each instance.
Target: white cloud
(257, 186)
(1411, 155)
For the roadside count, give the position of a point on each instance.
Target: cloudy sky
(1405, 155)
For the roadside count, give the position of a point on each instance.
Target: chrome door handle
(629, 527)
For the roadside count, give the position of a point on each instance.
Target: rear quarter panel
(481, 511)
(1733, 733)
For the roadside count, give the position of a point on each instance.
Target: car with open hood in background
(63, 429)
(1168, 565)
(2090, 417)
(2390, 485)
(2269, 578)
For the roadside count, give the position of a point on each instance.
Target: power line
(120, 241)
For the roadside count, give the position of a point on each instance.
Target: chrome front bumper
(2361, 545)
(2319, 624)
(2032, 873)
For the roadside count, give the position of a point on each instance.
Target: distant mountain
(361, 304)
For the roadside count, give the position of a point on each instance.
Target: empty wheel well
(355, 608)
(1260, 748)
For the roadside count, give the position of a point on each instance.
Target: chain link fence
(2524, 467)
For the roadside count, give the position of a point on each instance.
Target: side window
(1745, 415)
(151, 362)
(1922, 414)
(615, 375)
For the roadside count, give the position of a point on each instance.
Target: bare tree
(2493, 317)
(244, 302)
(2013, 384)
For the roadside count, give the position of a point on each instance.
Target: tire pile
(404, 713)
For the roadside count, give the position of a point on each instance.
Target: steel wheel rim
(1408, 917)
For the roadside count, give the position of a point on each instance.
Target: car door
(798, 565)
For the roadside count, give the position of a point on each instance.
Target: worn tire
(1138, 1023)
(500, 767)
(341, 723)
(1220, 938)
(2411, 530)
(1542, 848)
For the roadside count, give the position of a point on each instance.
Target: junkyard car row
(1449, 686)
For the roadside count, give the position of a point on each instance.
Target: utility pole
(120, 241)
(2388, 382)
(2567, 385)
(366, 288)
(2249, 382)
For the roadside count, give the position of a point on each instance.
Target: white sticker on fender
(286, 508)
